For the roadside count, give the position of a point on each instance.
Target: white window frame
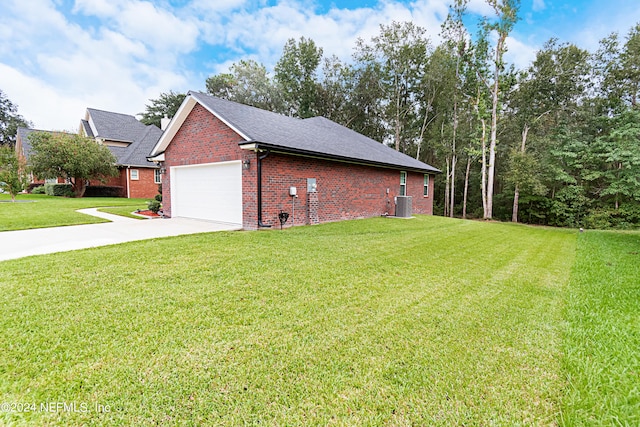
(425, 191)
(134, 174)
(157, 178)
(403, 183)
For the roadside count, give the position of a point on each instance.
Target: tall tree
(399, 53)
(71, 156)
(506, 16)
(13, 172)
(296, 74)
(166, 105)
(249, 83)
(619, 150)
(455, 35)
(547, 93)
(619, 69)
(10, 120)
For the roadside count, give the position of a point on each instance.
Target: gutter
(259, 189)
(251, 145)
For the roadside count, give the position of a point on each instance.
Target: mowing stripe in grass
(376, 322)
(602, 348)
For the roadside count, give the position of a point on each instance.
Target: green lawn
(602, 344)
(429, 321)
(126, 211)
(38, 210)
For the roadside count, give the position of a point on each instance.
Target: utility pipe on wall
(260, 158)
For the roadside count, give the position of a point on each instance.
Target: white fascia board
(92, 125)
(253, 146)
(177, 121)
(156, 159)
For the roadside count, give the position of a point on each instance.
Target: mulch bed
(148, 213)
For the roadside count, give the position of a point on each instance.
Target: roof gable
(109, 126)
(315, 136)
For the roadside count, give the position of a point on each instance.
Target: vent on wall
(403, 206)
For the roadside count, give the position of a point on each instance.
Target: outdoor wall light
(163, 170)
(246, 163)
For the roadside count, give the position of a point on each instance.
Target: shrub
(104, 191)
(159, 197)
(38, 190)
(63, 190)
(624, 218)
(154, 206)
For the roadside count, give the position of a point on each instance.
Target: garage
(210, 191)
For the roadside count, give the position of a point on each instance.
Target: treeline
(557, 143)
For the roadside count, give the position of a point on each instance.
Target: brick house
(23, 149)
(130, 141)
(228, 162)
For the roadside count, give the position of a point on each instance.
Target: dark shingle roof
(23, 135)
(124, 128)
(313, 136)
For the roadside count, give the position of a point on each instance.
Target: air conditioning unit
(403, 206)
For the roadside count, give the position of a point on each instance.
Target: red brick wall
(345, 191)
(143, 188)
(203, 138)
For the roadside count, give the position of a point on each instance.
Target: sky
(60, 57)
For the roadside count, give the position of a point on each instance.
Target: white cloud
(41, 103)
(538, 5)
(117, 54)
(266, 30)
(519, 53)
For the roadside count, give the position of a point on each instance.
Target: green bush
(159, 197)
(625, 218)
(104, 191)
(38, 190)
(154, 206)
(63, 190)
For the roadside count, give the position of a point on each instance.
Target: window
(425, 192)
(134, 174)
(403, 183)
(156, 176)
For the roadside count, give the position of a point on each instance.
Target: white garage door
(210, 191)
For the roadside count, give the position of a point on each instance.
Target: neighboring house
(23, 149)
(228, 162)
(130, 141)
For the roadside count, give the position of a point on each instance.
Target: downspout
(127, 171)
(260, 158)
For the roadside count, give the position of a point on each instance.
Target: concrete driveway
(22, 243)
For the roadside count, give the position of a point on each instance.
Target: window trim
(157, 178)
(135, 177)
(425, 190)
(403, 183)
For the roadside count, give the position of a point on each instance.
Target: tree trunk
(495, 92)
(446, 191)
(78, 186)
(484, 168)
(452, 185)
(516, 193)
(466, 188)
(514, 213)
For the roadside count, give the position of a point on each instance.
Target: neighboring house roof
(316, 137)
(122, 128)
(23, 139)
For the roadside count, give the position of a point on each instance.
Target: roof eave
(253, 145)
